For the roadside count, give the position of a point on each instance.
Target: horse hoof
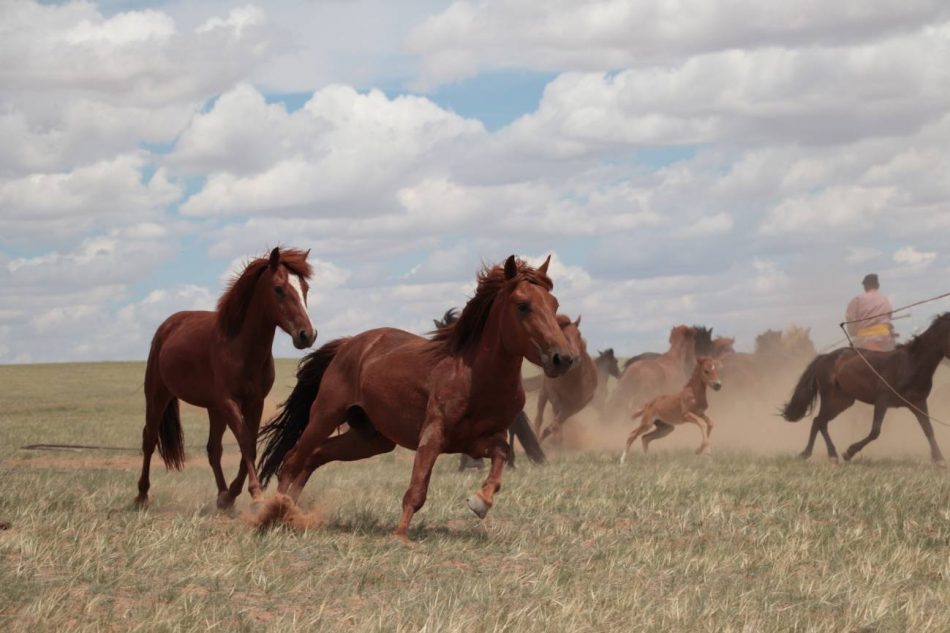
(478, 506)
(804, 456)
(141, 502)
(940, 464)
(225, 500)
(623, 458)
(403, 539)
(833, 460)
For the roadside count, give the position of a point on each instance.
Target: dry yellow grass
(671, 542)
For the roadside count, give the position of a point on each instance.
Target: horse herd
(460, 390)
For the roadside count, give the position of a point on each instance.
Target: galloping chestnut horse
(687, 405)
(571, 392)
(841, 377)
(520, 428)
(222, 361)
(454, 393)
(650, 377)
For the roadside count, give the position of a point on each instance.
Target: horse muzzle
(305, 337)
(716, 386)
(557, 363)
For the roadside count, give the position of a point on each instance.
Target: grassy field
(671, 542)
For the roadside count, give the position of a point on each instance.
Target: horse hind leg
(831, 407)
(645, 423)
(156, 401)
(876, 423)
(662, 430)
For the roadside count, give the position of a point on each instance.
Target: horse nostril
(303, 336)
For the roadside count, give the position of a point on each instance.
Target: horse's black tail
(281, 433)
(805, 394)
(529, 441)
(171, 440)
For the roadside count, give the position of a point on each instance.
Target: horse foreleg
(232, 415)
(645, 423)
(701, 423)
(662, 430)
(482, 501)
(430, 446)
(879, 411)
(923, 418)
(539, 416)
(251, 412)
(215, 433)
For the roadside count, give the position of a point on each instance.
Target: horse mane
(232, 305)
(939, 327)
(465, 333)
(768, 341)
(703, 342)
(451, 316)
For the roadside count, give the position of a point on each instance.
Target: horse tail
(281, 433)
(529, 441)
(805, 395)
(533, 383)
(171, 440)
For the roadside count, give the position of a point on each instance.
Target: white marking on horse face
(294, 282)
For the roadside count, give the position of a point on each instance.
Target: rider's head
(870, 282)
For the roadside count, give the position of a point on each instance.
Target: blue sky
(740, 166)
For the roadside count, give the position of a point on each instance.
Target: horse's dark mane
(464, 333)
(232, 305)
(939, 328)
(703, 343)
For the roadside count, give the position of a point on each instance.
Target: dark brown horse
(520, 428)
(607, 366)
(571, 392)
(649, 377)
(454, 393)
(222, 361)
(841, 377)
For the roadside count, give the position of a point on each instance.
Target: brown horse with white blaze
(454, 393)
(222, 361)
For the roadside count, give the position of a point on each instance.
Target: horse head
(528, 313)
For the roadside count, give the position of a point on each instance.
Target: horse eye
(524, 308)
(279, 291)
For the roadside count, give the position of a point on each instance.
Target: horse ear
(577, 323)
(610, 352)
(307, 254)
(275, 258)
(511, 267)
(543, 268)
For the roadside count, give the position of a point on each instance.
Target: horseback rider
(869, 318)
